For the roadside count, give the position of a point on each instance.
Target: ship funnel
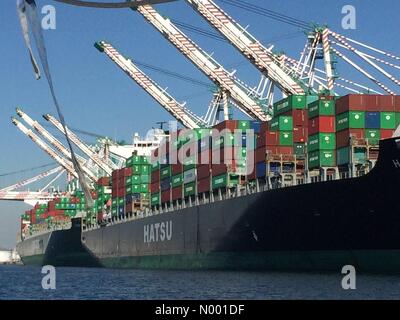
(46, 117)
(14, 120)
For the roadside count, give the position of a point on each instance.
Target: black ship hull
(318, 226)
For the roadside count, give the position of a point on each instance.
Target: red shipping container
(343, 137)
(386, 133)
(57, 200)
(351, 102)
(51, 205)
(121, 192)
(114, 193)
(260, 154)
(270, 138)
(218, 169)
(114, 174)
(127, 172)
(203, 185)
(104, 181)
(155, 176)
(397, 103)
(252, 175)
(385, 103)
(228, 124)
(94, 194)
(279, 150)
(323, 124)
(300, 134)
(264, 127)
(155, 187)
(177, 193)
(55, 213)
(176, 168)
(300, 117)
(165, 196)
(203, 171)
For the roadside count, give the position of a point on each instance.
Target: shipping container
(166, 196)
(386, 133)
(321, 158)
(268, 138)
(225, 181)
(300, 134)
(299, 149)
(280, 150)
(323, 124)
(290, 103)
(218, 169)
(260, 154)
(176, 168)
(165, 184)
(177, 180)
(322, 141)
(321, 108)
(189, 176)
(351, 102)
(281, 123)
(228, 124)
(350, 120)
(285, 138)
(261, 169)
(203, 171)
(165, 172)
(373, 136)
(189, 189)
(386, 103)
(372, 120)
(388, 120)
(177, 193)
(204, 185)
(344, 156)
(300, 117)
(343, 137)
(155, 199)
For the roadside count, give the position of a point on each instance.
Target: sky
(97, 97)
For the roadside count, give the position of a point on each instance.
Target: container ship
(312, 189)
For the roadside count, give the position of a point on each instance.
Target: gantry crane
(107, 166)
(64, 163)
(56, 143)
(261, 57)
(176, 109)
(209, 66)
(33, 179)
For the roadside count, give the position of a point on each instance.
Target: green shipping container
(144, 188)
(373, 136)
(136, 169)
(322, 141)
(155, 166)
(145, 178)
(177, 180)
(145, 169)
(321, 158)
(155, 199)
(189, 163)
(243, 124)
(343, 156)
(285, 138)
(321, 108)
(121, 202)
(299, 149)
(290, 103)
(165, 172)
(224, 181)
(282, 124)
(350, 120)
(189, 189)
(388, 120)
(397, 119)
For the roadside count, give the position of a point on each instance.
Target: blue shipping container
(165, 184)
(256, 126)
(261, 169)
(372, 120)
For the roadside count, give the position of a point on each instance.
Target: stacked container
(321, 145)
(366, 118)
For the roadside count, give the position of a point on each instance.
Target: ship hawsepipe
(318, 226)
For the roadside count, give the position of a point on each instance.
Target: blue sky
(97, 97)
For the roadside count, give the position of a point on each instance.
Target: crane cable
(28, 17)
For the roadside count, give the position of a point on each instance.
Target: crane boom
(54, 142)
(32, 180)
(25, 196)
(153, 89)
(64, 163)
(210, 67)
(248, 45)
(81, 145)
